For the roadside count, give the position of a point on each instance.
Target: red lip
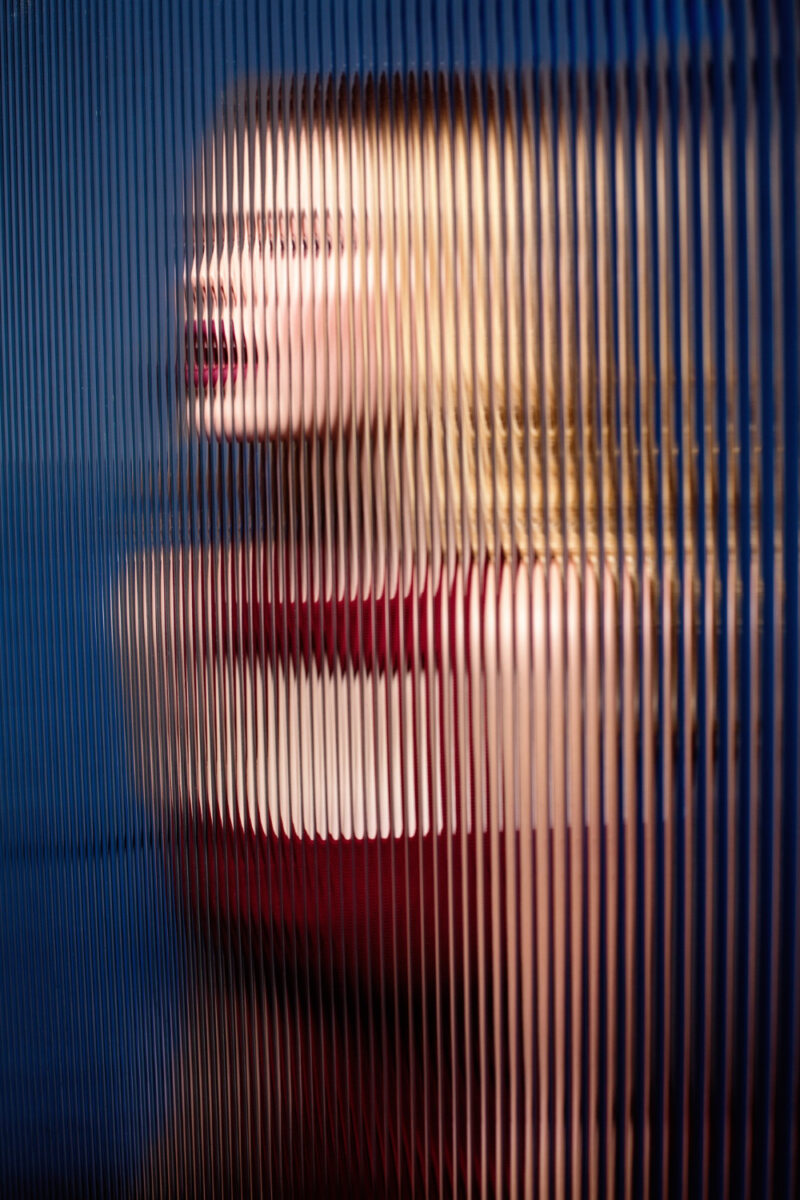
(385, 634)
(212, 354)
(361, 631)
(355, 911)
(247, 877)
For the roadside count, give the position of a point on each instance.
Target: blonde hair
(439, 178)
(459, 320)
(484, 219)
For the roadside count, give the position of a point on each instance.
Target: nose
(190, 282)
(196, 281)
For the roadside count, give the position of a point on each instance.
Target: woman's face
(344, 706)
(276, 729)
(282, 294)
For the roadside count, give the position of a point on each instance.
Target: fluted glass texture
(399, 430)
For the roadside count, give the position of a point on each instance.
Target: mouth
(347, 759)
(211, 356)
(285, 681)
(368, 629)
(319, 733)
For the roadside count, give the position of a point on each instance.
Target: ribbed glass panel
(399, 432)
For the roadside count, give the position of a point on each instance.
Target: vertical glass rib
(399, 598)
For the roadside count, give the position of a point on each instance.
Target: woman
(423, 457)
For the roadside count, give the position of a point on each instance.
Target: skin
(291, 279)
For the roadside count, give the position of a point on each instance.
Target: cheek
(269, 368)
(345, 300)
(297, 303)
(309, 308)
(358, 344)
(343, 348)
(319, 335)
(373, 332)
(281, 309)
(319, 318)
(333, 344)
(270, 309)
